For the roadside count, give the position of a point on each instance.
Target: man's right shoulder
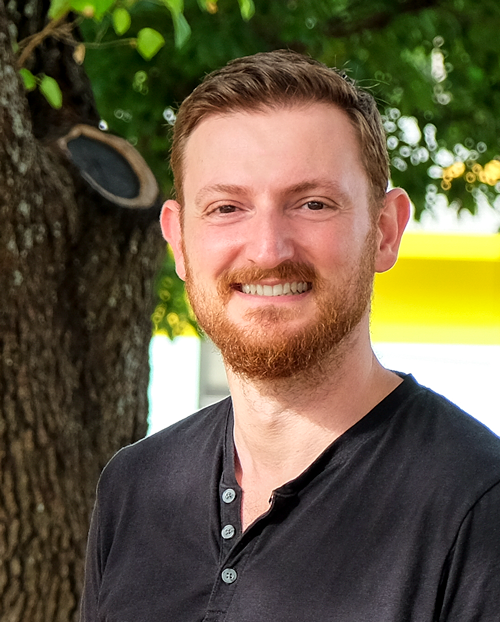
(193, 439)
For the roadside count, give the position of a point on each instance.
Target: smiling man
(327, 488)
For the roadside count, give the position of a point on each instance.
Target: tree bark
(76, 289)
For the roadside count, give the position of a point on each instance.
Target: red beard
(262, 350)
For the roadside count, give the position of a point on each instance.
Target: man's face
(278, 247)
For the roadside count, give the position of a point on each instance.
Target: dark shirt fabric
(397, 521)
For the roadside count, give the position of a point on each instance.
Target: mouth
(281, 289)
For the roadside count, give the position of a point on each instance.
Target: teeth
(285, 289)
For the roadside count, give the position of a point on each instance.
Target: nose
(269, 239)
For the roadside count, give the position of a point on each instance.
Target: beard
(263, 349)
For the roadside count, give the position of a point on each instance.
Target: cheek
(210, 253)
(341, 253)
(330, 253)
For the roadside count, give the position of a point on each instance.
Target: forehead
(272, 147)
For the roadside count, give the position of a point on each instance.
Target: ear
(392, 221)
(170, 221)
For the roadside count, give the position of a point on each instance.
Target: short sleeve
(472, 577)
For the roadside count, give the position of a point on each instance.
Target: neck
(281, 426)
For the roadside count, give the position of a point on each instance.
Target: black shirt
(398, 520)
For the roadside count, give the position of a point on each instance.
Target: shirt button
(228, 495)
(229, 575)
(228, 532)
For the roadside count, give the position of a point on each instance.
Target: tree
(76, 284)
(77, 270)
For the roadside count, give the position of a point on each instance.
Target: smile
(282, 289)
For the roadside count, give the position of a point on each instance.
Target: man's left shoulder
(450, 437)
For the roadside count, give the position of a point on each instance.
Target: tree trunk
(76, 289)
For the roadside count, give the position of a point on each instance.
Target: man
(327, 488)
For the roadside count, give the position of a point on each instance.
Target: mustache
(288, 271)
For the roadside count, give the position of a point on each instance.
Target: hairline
(295, 102)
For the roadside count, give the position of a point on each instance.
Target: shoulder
(442, 420)
(187, 442)
(445, 442)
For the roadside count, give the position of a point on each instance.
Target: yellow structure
(443, 289)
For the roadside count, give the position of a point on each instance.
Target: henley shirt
(398, 520)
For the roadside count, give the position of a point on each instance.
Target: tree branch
(51, 29)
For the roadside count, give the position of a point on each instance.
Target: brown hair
(280, 79)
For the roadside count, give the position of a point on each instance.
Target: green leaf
(51, 91)
(95, 9)
(174, 6)
(247, 9)
(28, 79)
(121, 21)
(102, 7)
(58, 8)
(181, 29)
(149, 42)
(85, 7)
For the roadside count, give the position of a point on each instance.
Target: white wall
(174, 384)
(468, 375)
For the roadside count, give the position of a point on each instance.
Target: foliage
(149, 41)
(173, 315)
(431, 65)
(51, 91)
(47, 85)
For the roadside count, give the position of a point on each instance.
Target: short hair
(281, 79)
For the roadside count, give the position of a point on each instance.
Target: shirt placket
(226, 582)
(235, 547)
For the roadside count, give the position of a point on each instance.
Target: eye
(315, 205)
(225, 209)
(224, 213)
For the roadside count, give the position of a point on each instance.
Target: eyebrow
(219, 189)
(305, 186)
(319, 184)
